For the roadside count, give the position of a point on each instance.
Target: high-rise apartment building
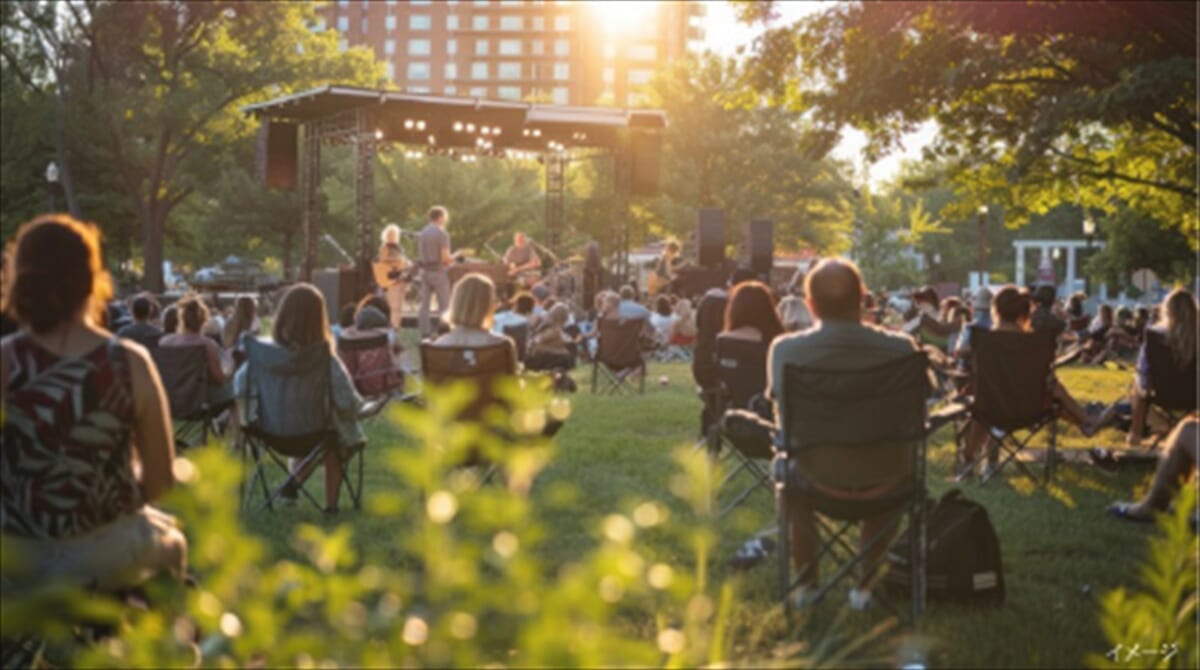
(567, 53)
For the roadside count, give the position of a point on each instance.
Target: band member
(521, 256)
(433, 249)
(393, 289)
(667, 268)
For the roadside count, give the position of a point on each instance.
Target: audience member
(630, 308)
(345, 320)
(470, 316)
(1178, 325)
(551, 348)
(1178, 462)
(1043, 318)
(662, 318)
(683, 328)
(839, 340)
(193, 316)
(792, 311)
(750, 313)
(300, 322)
(142, 330)
(519, 315)
(170, 319)
(81, 467)
(244, 320)
(710, 320)
(1011, 310)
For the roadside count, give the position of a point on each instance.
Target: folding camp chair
(875, 419)
(1172, 391)
(742, 372)
(520, 336)
(288, 404)
(184, 374)
(619, 355)
(1012, 391)
(482, 365)
(368, 358)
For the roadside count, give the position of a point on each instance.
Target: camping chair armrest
(1069, 357)
(373, 406)
(945, 415)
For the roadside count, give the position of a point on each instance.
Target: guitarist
(667, 269)
(521, 258)
(391, 259)
(433, 257)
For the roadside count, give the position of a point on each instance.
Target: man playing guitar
(523, 261)
(389, 270)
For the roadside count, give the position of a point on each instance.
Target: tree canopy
(1038, 104)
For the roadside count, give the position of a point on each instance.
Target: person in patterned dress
(87, 443)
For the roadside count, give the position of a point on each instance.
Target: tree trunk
(60, 151)
(153, 224)
(287, 256)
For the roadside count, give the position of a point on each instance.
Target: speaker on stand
(761, 245)
(710, 238)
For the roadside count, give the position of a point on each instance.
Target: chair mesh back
(742, 369)
(184, 373)
(484, 365)
(288, 391)
(368, 359)
(520, 335)
(881, 405)
(1173, 386)
(1010, 377)
(619, 346)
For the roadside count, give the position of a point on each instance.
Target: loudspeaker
(277, 155)
(693, 282)
(339, 287)
(646, 170)
(761, 243)
(710, 237)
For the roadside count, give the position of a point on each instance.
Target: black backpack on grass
(962, 559)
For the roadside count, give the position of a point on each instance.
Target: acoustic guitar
(390, 273)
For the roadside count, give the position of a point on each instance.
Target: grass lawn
(1060, 550)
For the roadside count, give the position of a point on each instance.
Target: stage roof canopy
(465, 123)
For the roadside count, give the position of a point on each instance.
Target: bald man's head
(834, 290)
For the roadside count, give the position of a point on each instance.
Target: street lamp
(1089, 231)
(51, 181)
(983, 212)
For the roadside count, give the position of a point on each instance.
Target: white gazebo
(1047, 248)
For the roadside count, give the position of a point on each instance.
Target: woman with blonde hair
(391, 253)
(87, 442)
(470, 315)
(1178, 322)
(683, 330)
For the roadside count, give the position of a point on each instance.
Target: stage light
(408, 124)
(470, 127)
(420, 125)
(458, 126)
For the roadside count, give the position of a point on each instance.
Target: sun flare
(618, 18)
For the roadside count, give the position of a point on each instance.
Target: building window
(479, 22)
(343, 3)
(539, 23)
(450, 90)
(452, 22)
(418, 71)
(479, 70)
(321, 24)
(451, 47)
(417, 89)
(508, 71)
(416, 2)
(478, 92)
(510, 47)
(561, 96)
(419, 22)
(481, 3)
(481, 47)
(451, 71)
(508, 92)
(343, 23)
(643, 52)
(362, 25)
(391, 71)
(390, 23)
(562, 71)
(562, 47)
(512, 23)
(418, 47)
(609, 75)
(640, 76)
(389, 46)
(610, 51)
(562, 22)
(538, 47)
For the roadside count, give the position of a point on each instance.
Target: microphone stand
(333, 243)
